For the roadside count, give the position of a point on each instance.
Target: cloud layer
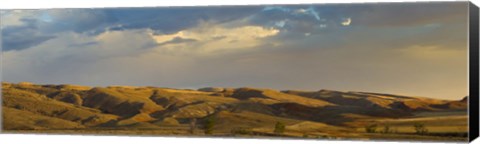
(411, 48)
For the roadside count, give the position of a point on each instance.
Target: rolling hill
(246, 112)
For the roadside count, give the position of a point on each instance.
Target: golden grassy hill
(29, 107)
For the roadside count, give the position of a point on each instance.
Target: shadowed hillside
(244, 112)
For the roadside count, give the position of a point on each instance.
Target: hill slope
(240, 111)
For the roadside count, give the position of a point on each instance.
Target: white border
(35, 4)
(77, 139)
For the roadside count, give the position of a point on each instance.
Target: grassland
(229, 112)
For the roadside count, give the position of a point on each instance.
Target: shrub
(279, 127)
(193, 123)
(372, 128)
(322, 136)
(386, 129)
(209, 124)
(420, 128)
(18, 107)
(242, 131)
(395, 130)
(305, 136)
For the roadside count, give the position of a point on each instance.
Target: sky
(415, 49)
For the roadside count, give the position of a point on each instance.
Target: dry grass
(245, 112)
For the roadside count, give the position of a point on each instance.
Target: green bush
(420, 128)
(386, 129)
(372, 128)
(279, 128)
(322, 136)
(305, 136)
(242, 131)
(209, 124)
(193, 125)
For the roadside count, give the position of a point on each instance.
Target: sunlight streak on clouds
(214, 38)
(347, 22)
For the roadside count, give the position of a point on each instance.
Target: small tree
(242, 131)
(372, 128)
(395, 130)
(305, 135)
(420, 128)
(193, 123)
(209, 124)
(386, 129)
(279, 127)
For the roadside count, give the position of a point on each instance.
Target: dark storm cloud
(370, 15)
(172, 19)
(403, 14)
(77, 20)
(42, 25)
(296, 19)
(293, 18)
(23, 36)
(162, 20)
(388, 25)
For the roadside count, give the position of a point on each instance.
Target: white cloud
(215, 38)
(347, 22)
(302, 11)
